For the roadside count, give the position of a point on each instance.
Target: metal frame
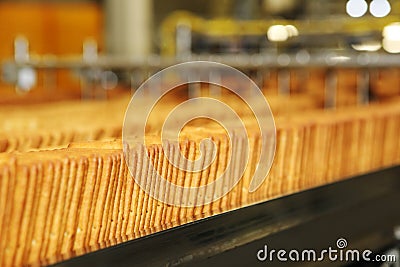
(241, 61)
(137, 70)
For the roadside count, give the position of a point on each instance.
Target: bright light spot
(340, 58)
(391, 46)
(280, 33)
(356, 8)
(392, 31)
(367, 46)
(277, 33)
(26, 78)
(333, 59)
(391, 37)
(292, 30)
(379, 8)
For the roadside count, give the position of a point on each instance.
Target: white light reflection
(356, 8)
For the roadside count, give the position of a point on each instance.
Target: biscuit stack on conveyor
(24, 128)
(56, 204)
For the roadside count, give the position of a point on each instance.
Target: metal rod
(330, 89)
(257, 61)
(284, 82)
(363, 84)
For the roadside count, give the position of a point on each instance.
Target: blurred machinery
(339, 53)
(272, 50)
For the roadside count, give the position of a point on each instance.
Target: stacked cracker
(61, 203)
(24, 128)
(55, 125)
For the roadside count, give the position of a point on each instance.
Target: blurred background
(344, 52)
(330, 70)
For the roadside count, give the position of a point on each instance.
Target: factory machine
(77, 79)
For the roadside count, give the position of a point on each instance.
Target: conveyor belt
(364, 210)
